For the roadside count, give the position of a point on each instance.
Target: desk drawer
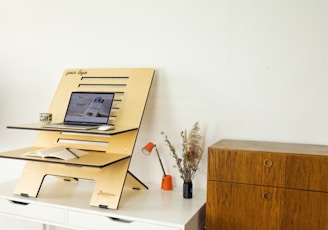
(33, 211)
(98, 222)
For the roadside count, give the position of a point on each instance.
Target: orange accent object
(167, 182)
(148, 148)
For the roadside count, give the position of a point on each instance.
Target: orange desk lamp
(167, 179)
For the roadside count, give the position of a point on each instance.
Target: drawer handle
(267, 163)
(267, 196)
(120, 220)
(19, 202)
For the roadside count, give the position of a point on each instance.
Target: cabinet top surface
(274, 147)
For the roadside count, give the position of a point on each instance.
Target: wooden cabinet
(265, 185)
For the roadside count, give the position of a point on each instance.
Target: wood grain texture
(266, 185)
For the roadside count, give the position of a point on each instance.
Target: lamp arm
(160, 161)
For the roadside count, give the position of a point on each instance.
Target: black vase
(187, 190)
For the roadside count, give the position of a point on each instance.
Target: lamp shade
(148, 148)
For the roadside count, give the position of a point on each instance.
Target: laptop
(86, 110)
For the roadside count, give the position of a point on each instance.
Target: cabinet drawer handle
(267, 163)
(267, 196)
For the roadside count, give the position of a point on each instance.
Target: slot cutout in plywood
(104, 82)
(82, 142)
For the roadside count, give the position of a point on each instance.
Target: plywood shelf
(92, 159)
(39, 127)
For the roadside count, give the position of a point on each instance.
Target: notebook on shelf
(86, 110)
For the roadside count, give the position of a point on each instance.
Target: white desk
(66, 204)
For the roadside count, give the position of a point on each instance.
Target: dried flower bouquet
(193, 148)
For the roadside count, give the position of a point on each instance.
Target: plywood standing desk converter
(109, 151)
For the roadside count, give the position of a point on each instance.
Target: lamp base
(167, 183)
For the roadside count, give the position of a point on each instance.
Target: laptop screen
(89, 107)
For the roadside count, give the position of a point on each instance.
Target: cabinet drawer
(237, 206)
(240, 206)
(246, 167)
(306, 172)
(33, 211)
(98, 222)
(298, 171)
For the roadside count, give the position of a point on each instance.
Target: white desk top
(153, 205)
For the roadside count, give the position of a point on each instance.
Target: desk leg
(31, 179)
(109, 185)
(134, 183)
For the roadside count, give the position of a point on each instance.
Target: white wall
(245, 69)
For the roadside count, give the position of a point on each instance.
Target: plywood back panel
(131, 87)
